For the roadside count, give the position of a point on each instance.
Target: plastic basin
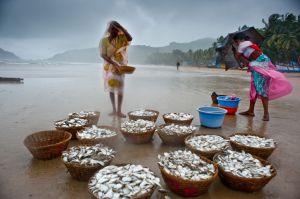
(211, 117)
(230, 110)
(225, 102)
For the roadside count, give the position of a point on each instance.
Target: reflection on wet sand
(51, 92)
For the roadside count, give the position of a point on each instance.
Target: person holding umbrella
(266, 82)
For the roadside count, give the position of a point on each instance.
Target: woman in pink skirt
(266, 82)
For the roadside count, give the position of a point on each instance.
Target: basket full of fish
(71, 125)
(255, 144)
(178, 118)
(91, 116)
(97, 134)
(138, 131)
(83, 161)
(144, 114)
(186, 173)
(243, 171)
(206, 144)
(174, 134)
(123, 181)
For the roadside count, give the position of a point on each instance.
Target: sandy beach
(50, 92)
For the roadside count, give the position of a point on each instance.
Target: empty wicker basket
(47, 144)
(150, 118)
(260, 152)
(188, 188)
(242, 183)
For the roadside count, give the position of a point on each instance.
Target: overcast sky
(35, 29)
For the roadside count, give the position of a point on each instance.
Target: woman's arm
(103, 53)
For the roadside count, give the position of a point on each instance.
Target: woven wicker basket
(260, 152)
(138, 138)
(83, 172)
(150, 118)
(245, 184)
(180, 122)
(188, 188)
(72, 130)
(207, 154)
(126, 69)
(92, 119)
(106, 140)
(47, 144)
(146, 195)
(174, 140)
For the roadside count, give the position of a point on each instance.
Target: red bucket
(230, 110)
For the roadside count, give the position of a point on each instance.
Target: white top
(245, 49)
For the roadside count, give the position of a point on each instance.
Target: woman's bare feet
(247, 113)
(266, 117)
(121, 115)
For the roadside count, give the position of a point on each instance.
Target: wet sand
(50, 92)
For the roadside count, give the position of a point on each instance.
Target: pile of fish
(242, 164)
(137, 126)
(208, 142)
(253, 141)
(186, 165)
(82, 114)
(89, 155)
(143, 112)
(75, 122)
(128, 181)
(178, 116)
(174, 129)
(96, 132)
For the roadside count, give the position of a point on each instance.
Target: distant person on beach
(266, 83)
(113, 49)
(177, 65)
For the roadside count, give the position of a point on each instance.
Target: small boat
(11, 79)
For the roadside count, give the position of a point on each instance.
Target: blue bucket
(226, 102)
(211, 117)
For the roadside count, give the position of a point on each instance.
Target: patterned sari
(117, 51)
(266, 81)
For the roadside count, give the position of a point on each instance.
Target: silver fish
(178, 116)
(96, 132)
(75, 122)
(253, 141)
(173, 129)
(208, 142)
(126, 181)
(186, 165)
(89, 155)
(137, 126)
(82, 114)
(242, 164)
(143, 112)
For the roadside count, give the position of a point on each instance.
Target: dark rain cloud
(45, 27)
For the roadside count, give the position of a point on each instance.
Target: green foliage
(282, 37)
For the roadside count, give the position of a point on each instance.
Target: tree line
(281, 44)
